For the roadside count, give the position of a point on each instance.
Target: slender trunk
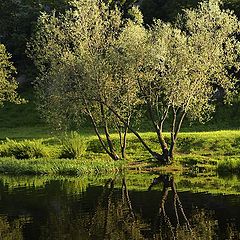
(122, 140)
(99, 136)
(154, 154)
(110, 144)
(109, 141)
(165, 155)
(175, 135)
(157, 128)
(124, 145)
(162, 158)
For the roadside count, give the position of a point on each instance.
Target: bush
(24, 149)
(229, 166)
(73, 146)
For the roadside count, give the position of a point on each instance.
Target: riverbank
(195, 152)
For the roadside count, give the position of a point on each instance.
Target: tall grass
(194, 151)
(58, 167)
(73, 146)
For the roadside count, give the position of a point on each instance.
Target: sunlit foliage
(8, 84)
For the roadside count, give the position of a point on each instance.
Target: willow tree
(179, 69)
(8, 84)
(74, 56)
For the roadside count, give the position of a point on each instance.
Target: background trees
(8, 85)
(17, 21)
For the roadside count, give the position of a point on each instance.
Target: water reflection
(178, 226)
(12, 229)
(112, 211)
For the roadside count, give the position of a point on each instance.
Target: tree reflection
(202, 225)
(163, 222)
(111, 218)
(113, 215)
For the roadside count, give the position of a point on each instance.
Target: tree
(8, 84)
(74, 55)
(179, 69)
(95, 63)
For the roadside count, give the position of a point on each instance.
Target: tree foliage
(17, 21)
(95, 63)
(74, 54)
(180, 68)
(8, 84)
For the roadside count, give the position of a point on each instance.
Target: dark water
(62, 209)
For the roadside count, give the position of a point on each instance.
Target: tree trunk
(110, 144)
(164, 158)
(124, 144)
(165, 153)
(175, 135)
(112, 155)
(171, 150)
(112, 150)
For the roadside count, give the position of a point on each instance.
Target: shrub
(24, 149)
(229, 166)
(73, 146)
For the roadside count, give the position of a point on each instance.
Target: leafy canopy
(8, 84)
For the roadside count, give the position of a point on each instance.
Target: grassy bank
(58, 167)
(195, 152)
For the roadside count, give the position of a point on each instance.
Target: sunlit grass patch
(58, 166)
(73, 146)
(25, 149)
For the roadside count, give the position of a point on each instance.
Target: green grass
(229, 166)
(23, 115)
(195, 152)
(45, 166)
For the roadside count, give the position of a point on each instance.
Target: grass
(58, 167)
(23, 115)
(230, 165)
(73, 146)
(195, 152)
